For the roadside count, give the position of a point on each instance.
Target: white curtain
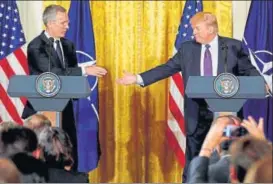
(31, 18)
(240, 12)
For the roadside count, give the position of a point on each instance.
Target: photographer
(219, 171)
(199, 166)
(222, 131)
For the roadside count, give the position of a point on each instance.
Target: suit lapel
(49, 49)
(221, 56)
(65, 50)
(196, 59)
(54, 56)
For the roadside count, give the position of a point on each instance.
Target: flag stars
(12, 37)
(186, 25)
(196, 10)
(4, 35)
(192, 37)
(22, 31)
(11, 46)
(15, 20)
(13, 28)
(6, 26)
(9, 8)
(21, 39)
(188, 16)
(189, 7)
(1, 15)
(184, 34)
(7, 17)
(88, 98)
(2, 5)
(1, 53)
(197, 1)
(15, 10)
(3, 44)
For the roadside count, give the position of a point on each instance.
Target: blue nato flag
(85, 110)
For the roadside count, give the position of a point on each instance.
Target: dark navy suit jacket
(38, 57)
(38, 52)
(187, 60)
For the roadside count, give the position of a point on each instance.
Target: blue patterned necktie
(207, 62)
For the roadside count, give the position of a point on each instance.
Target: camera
(234, 131)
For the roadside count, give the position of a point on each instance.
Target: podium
(250, 87)
(72, 87)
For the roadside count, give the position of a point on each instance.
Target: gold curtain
(135, 36)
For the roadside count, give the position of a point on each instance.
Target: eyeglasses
(63, 24)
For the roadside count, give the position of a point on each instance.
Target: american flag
(85, 109)
(13, 60)
(176, 131)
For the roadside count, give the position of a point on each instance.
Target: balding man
(204, 56)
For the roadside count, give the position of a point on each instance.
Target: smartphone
(234, 131)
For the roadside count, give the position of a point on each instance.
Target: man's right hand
(127, 79)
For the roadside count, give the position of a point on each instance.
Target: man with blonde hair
(37, 123)
(203, 56)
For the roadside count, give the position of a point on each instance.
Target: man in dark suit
(204, 56)
(50, 51)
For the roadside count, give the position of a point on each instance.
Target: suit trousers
(194, 141)
(69, 126)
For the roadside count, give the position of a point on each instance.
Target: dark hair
(32, 170)
(56, 147)
(18, 139)
(226, 144)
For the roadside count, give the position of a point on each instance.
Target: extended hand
(95, 71)
(127, 79)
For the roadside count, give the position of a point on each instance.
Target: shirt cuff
(83, 71)
(139, 80)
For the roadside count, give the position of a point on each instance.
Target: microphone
(50, 46)
(224, 47)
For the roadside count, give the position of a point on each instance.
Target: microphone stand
(225, 49)
(58, 117)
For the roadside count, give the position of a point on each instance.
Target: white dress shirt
(214, 56)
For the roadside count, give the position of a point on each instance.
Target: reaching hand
(95, 71)
(215, 135)
(254, 129)
(127, 79)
